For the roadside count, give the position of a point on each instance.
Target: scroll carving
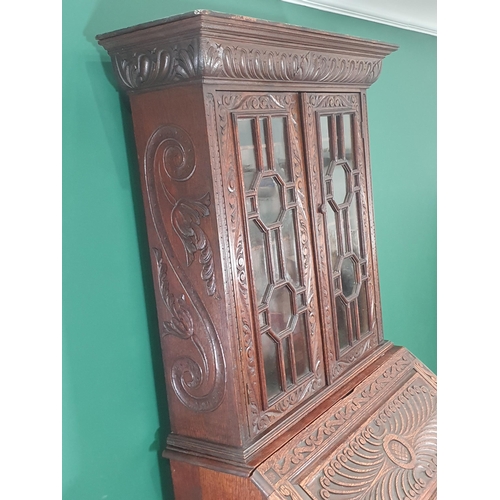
(200, 386)
(172, 150)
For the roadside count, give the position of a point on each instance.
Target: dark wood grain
(264, 262)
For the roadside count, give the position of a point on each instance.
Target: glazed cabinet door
(260, 139)
(343, 220)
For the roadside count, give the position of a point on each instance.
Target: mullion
(280, 254)
(332, 132)
(347, 230)
(357, 193)
(270, 145)
(350, 336)
(258, 144)
(340, 136)
(291, 351)
(355, 313)
(281, 366)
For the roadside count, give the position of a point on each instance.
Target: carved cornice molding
(207, 46)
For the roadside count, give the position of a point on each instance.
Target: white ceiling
(415, 15)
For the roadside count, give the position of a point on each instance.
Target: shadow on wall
(128, 175)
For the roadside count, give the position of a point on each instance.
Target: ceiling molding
(414, 16)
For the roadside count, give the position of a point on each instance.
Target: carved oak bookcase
(253, 147)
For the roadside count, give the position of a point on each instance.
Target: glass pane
(286, 360)
(289, 242)
(263, 142)
(269, 200)
(325, 142)
(259, 262)
(300, 347)
(270, 354)
(348, 137)
(354, 222)
(364, 325)
(348, 276)
(281, 163)
(247, 150)
(280, 308)
(331, 218)
(342, 323)
(275, 253)
(339, 184)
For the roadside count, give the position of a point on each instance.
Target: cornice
(205, 45)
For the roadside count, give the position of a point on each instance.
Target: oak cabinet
(253, 147)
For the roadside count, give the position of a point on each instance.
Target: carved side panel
(198, 382)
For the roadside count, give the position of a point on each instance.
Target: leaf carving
(181, 324)
(186, 219)
(187, 375)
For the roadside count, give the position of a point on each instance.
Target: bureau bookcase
(253, 147)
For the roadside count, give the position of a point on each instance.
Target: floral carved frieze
(165, 63)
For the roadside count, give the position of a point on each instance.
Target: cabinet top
(209, 45)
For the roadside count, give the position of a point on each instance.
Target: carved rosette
(170, 157)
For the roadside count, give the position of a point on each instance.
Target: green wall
(114, 414)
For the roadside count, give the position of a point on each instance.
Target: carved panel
(378, 443)
(170, 157)
(146, 67)
(393, 457)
